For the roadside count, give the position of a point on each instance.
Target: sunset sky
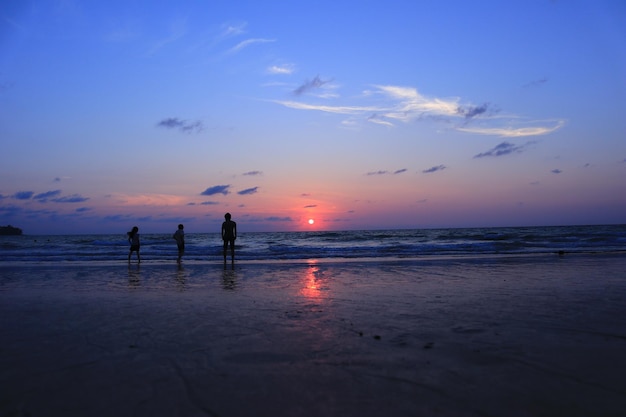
(358, 115)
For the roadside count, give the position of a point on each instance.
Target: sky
(296, 116)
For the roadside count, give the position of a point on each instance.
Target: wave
(332, 244)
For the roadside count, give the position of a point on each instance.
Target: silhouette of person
(133, 239)
(229, 234)
(179, 237)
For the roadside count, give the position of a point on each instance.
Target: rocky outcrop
(10, 231)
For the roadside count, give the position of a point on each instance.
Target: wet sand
(512, 336)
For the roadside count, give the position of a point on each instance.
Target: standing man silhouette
(229, 234)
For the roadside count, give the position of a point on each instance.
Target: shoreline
(326, 260)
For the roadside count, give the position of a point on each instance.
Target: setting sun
(311, 221)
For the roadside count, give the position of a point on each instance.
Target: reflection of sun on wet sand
(311, 286)
(520, 336)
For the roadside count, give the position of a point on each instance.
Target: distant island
(10, 231)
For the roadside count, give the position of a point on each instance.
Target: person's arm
(234, 230)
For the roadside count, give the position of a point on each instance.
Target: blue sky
(397, 114)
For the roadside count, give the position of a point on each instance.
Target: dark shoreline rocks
(10, 231)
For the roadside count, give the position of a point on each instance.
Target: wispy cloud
(248, 191)
(253, 173)
(556, 171)
(388, 105)
(434, 169)
(184, 126)
(285, 69)
(74, 198)
(216, 189)
(309, 85)
(328, 109)
(504, 148)
(385, 172)
(232, 29)
(48, 194)
(244, 44)
(310, 206)
(539, 128)
(209, 203)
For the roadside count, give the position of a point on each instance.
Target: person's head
(180, 226)
(135, 229)
(227, 216)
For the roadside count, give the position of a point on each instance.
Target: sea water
(339, 245)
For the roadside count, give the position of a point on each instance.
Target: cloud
(310, 206)
(230, 30)
(23, 195)
(388, 105)
(182, 125)
(216, 189)
(253, 173)
(556, 171)
(382, 172)
(516, 132)
(472, 111)
(244, 44)
(504, 148)
(278, 219)
(248, 191)
(74, 198)
(400, 171)
(434, 169)
(45, 196)
(328, 109)
(308, 85)
(376, 118)
(83, 209)
(209, 203)
(286, 69)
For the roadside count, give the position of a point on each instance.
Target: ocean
(329, 245)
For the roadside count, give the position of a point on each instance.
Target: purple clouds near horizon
(184, 126)
(216, 189)
(248, 191)
(504, 148)
(47, 196)
(434, 169)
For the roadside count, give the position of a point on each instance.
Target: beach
(469, 336)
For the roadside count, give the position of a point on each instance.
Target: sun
(311, 221)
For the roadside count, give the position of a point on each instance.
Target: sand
(510, 336)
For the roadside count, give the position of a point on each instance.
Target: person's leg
(232, 251)
(225, 248)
